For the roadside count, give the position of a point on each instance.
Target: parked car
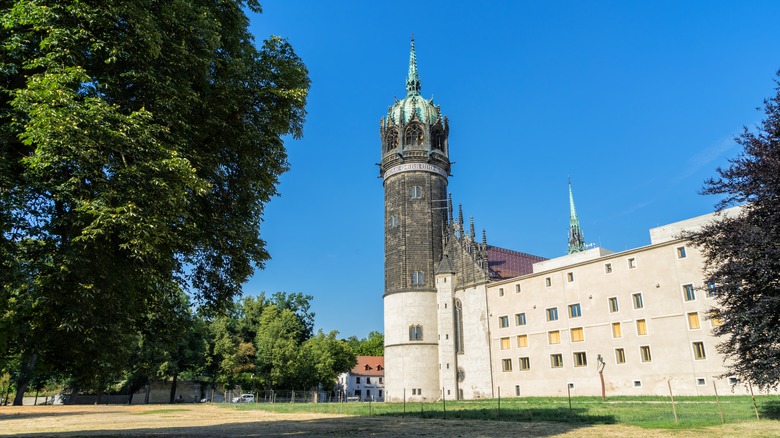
(244, 398)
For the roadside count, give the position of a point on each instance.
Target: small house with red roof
(365, 381)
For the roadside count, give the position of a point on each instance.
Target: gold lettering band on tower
(418, 167)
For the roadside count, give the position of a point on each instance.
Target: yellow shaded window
(577, 334)
(617, 332)
(554, 337)
(505, 343)
(641, 327)
(693, 320)
(716, 321)
(522, 341)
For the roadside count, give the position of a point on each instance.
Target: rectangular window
(380, 381)
(417, 278)
(506, 364)
(698, 351)
(520, 319)
(554, 337)
(689, 292)
(500, 291)
(416, 192)
(641, 327)
(711, 289)
(617, 331)
(503, 321)
(620, 356)
(580, 359)
(552, 314)
(714, 319)
(681, 252)
(414, 391)
(368, 380)
(357, 380)
(522, 341)
(645, 353)
(638, 301)
(525, 364)
(556, 360)
(505, 343)
(701, 382)
(548, 282)
(693, 320)
(517, 288)
(570, 276)
(415, 333)
(577, 334)
(631, 263)
(575, 311)
(608, 268)
(613, 305)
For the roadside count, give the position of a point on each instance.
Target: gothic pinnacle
(413, 78)
(576, 237)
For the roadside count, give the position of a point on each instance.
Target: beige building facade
(642, 316)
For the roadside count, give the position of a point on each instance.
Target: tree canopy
(139, 143)
(742, 252)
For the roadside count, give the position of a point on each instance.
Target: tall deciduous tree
(742, 252)
(139, 142)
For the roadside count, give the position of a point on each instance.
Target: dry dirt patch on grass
(224, 421)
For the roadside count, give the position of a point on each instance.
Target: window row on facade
(613, 303)
(580, 358)
(577, 334)
(368, 380)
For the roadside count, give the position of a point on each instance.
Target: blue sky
(637, 102)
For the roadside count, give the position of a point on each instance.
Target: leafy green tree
(278, 347)
(326, 357)
(139, 142)
(742, 252)
(373, 345)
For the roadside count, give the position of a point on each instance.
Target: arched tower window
(437, 140)
(391, 139)
(414, 135)
(458, 327)
(415, 333)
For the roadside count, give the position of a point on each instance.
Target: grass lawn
(648, 412)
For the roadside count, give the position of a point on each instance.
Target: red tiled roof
(505, 263)
(369, 366)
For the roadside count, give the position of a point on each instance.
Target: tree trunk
(25, 375)
(173, 388)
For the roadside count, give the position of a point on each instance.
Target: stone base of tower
(411, 346)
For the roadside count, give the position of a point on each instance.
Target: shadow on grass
(559, 415)
(377, 426)
(770, 410)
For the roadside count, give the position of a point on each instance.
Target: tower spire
(576, 237)
(412, 79)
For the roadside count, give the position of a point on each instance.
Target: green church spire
(576, 238)
(412, 79)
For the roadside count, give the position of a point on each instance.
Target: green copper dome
(413, 106)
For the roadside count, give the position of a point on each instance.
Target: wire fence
(648, 411)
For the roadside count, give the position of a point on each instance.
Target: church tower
(415, 166)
